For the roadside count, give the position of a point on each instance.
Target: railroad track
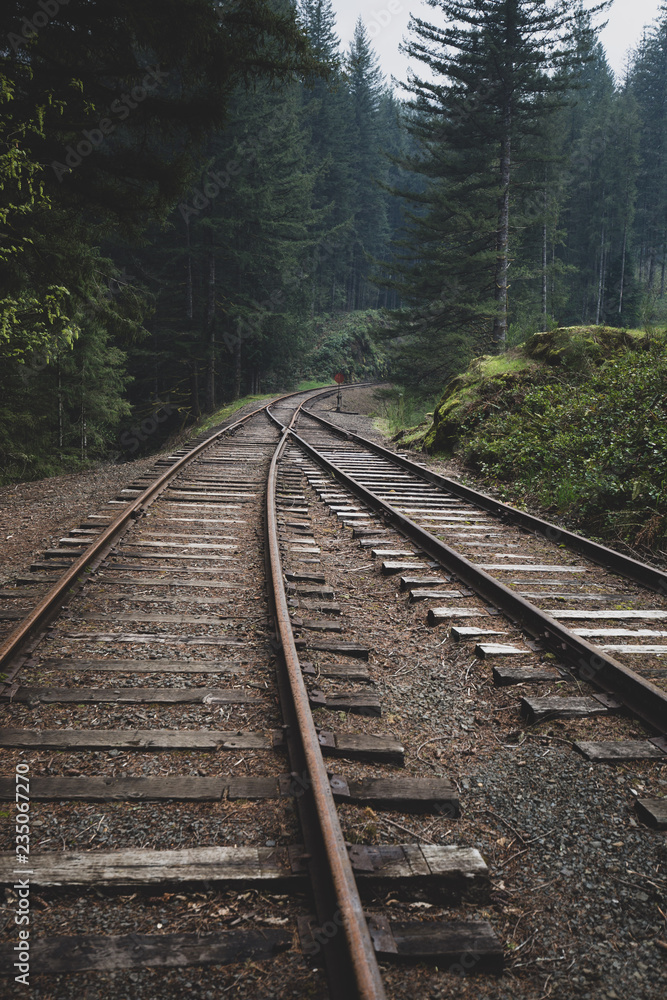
(617, 649)
(251, 804)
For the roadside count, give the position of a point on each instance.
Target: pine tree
(230, 276)
(647, 82)
(369, 167)
(329, 114)
(507, 68)
(602, 193)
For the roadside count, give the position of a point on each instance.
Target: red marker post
(339, 378)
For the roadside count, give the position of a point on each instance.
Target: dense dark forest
(202, 200)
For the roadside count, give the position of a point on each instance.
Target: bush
(593, 449)
(345, 345)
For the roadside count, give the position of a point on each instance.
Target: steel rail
(363, 960)
(648, 576)
(592, 664)
(75, 573)
(367, 979)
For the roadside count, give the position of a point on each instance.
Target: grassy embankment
(573, 422)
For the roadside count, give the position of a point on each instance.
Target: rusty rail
(80, 567)
(360, 950)
(590, 662)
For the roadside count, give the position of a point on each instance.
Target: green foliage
(64, 411)
(345, 345)
(587, 441)
(34, 317)
(403, 413)
(496, 76)
(213, 419)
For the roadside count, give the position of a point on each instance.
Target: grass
(213, 419)
(501, 363)
(401, 410)
(311, 383)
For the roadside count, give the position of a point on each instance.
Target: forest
(203, 200)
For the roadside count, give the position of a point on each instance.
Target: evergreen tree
(329, 114)
(230, 276)
(107, 105)
(647, 83)
(369, 168)
(507, 68)
(602, 185)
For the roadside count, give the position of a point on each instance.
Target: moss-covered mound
(571, 351)
(573, 421)
(344, 343)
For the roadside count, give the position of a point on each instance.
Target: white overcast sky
(387, 22)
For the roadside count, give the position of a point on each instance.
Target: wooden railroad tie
(503, 676)
(653, 812)
(353, 746)
(557, 707)
(445, 874)
(458, 947)
(418, 795)
(133, 696)
(620, 751)
(154, 666)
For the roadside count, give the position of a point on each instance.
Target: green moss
(572, 346)
(224, 413)
(486, 374)
(578, 428)
(490, 365)
(573, 352)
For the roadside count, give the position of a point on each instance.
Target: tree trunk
(60, 406)
(210, 336)
(625, 243)
(84, 429)
(544, 261)
(189, 311)
(237, 369)
(196, 408)
(502, 234)
(598, 310)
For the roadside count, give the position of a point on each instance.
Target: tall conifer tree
(495, 63)
(367, 89)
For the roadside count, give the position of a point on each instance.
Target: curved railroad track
(214, 582)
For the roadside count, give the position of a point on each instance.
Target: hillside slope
(573, 421)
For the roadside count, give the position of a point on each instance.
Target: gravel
(578, 884)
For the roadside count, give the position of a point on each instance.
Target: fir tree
(647, 82)
(496, 61)
(369, 167)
